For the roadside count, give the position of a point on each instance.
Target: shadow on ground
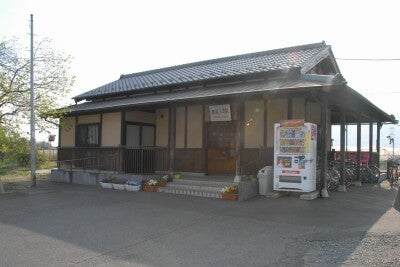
(62, 224)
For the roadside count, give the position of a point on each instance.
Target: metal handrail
(87, 158)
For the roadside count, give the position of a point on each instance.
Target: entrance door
(221, 147)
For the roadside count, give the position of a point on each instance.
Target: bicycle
(393, 174)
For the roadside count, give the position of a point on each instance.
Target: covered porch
(174, 131)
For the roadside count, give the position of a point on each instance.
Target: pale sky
(110, 38)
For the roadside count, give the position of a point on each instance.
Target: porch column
(378, 141)
(171, 131)
(371, 127)
(239, 140)
(324, 154)
(358, 177)
(121, 148)
(342, 186)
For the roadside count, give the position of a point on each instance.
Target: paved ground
(68, 225)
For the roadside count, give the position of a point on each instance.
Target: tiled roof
(228, 67)
(203, 93)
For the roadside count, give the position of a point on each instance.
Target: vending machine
(295, 156)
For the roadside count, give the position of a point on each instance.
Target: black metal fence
(145, 159)
(89, 158)
(140, 160)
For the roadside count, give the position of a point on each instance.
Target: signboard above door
(220, 113)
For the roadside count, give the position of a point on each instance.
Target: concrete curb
(1, 187)
(396, 203)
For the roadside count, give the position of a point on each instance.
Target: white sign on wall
(220, 113)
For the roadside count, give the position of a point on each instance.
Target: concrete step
(195, 188)
(191, 191)
(202, 183)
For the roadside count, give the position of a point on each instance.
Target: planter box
(177, 176)
(106, 185)
(232, 197)
(162, 184)
(150, 188)
(118, 186)
(134, 188)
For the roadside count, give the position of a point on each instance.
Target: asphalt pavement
(71, 225)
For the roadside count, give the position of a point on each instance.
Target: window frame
(86, 125)
(140, 124)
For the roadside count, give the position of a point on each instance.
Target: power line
(383, 93)
(370, 59)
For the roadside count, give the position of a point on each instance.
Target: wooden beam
(204, 137)
(172, 131)
(342, 144)
(358, 168)
(371, 128)
(265, 128)
(123, 129)
(239, 139)
(186, 127)
(323, 153)
(378, 140)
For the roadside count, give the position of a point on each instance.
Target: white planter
(118, 186)
(106, 185)
(134, 188)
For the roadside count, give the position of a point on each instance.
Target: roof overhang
(201, 93)
(357, 107)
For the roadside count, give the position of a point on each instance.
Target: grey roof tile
(200, 93)
(265, 61)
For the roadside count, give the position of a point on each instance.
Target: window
(87, 135)
(139, 135)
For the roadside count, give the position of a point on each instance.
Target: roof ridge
(228, 58)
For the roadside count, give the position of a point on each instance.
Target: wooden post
(371, 127)
(342, 186)
(324, 154)
(358, 168)
(239, 140)
(172, 130)
(378, 141)
(204, 144)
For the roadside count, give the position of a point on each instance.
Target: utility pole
(32, 102)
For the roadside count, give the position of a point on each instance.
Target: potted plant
(107, 182)
(150, 186)
(168, 176)
(230, 192)
(162, 182)
(177, 175)
(118, 184)
(133, 185)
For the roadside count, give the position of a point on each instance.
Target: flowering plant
(119, 181)
(168, 176)
(134, 182)
(109, 179)
(232, 189)
(150, 182)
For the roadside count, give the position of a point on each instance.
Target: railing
(149, 159)
(138, 159)
(145, 159)
(91, 163)
(96, 158)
